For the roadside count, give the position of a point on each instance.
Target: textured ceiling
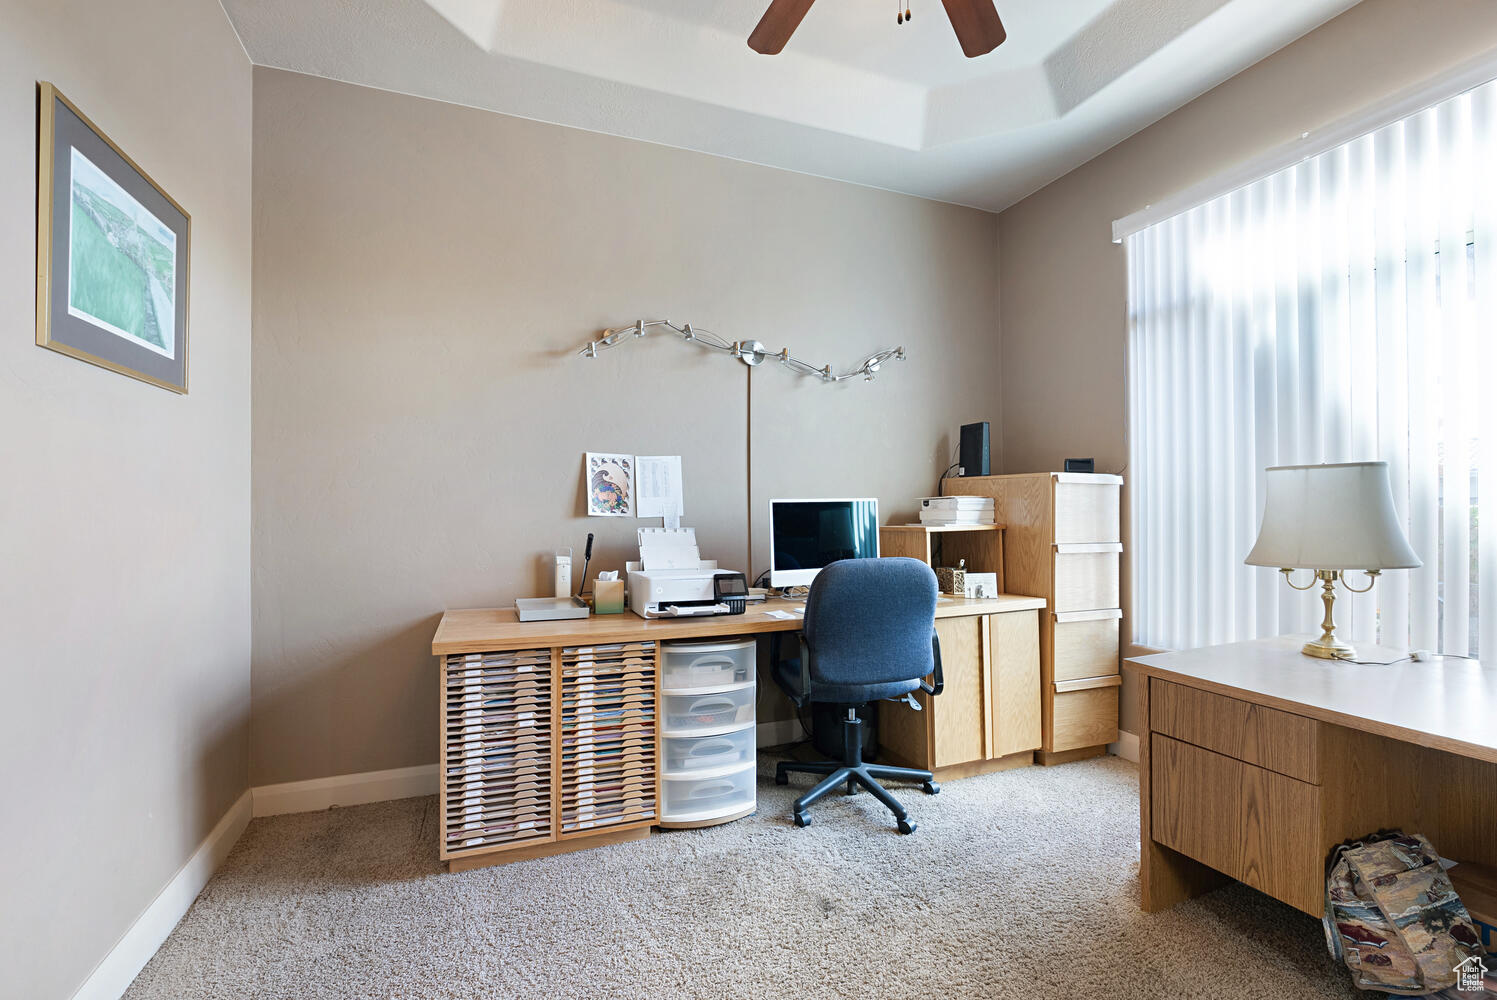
(853, 96)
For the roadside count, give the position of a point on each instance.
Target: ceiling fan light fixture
(978, 28)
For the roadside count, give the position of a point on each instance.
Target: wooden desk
(514, 695)
(1256, 760)
(486, 629)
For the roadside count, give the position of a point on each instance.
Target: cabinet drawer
(1085, 644)
(1256, 825)
(1083, 718)
(1278, 741)
(1086, 576)
(1085, 512)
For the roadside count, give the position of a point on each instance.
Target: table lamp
(1330, 519)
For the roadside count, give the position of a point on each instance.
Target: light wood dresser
(1063, 542)
(1256, 760)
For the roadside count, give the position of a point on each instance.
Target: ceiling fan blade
(976, 24)
(777, 25)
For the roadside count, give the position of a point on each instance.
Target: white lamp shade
(1331, 517)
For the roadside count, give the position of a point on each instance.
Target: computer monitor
(807, 535)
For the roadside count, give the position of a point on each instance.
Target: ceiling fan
(975, 21)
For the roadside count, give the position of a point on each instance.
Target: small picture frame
(609, 482)
(112, 253)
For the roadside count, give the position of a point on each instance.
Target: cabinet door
(1015, 649)
(958, 716)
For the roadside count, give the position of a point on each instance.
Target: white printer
(672, 580)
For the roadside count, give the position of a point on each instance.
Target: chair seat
(788, 676)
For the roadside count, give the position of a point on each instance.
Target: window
(1341, 309)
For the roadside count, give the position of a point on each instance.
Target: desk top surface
(490, 629)
(1445, 703)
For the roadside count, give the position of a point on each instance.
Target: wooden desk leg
(1165, 876)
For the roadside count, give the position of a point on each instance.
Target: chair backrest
(869, 621)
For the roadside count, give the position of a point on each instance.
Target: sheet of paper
(782, 615)
(658, 485)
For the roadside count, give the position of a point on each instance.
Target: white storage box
(703, 714)
(696, 799)
(706, 664)
(694, 754)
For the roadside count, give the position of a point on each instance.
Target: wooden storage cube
(1083, 719)
(1087, 512)
(1258, 826)
(1086, 577)
(1278, 741)
(1086, 644)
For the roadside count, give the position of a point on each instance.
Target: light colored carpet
(1020, 884)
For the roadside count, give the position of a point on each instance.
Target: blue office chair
(870, 633)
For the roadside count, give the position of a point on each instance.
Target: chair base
(852, 772)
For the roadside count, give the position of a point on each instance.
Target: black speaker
(974, 454)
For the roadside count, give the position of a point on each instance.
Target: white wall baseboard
(345, 790)
(118, 969)
(772, 734)
(1126, 747)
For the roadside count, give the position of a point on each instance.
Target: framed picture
(610, 485)
(112, 253)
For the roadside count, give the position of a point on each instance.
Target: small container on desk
(608, 597)
(709, 755)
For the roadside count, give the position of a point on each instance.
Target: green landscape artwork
(122, 262)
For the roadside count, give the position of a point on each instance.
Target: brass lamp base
(1328, 646)
(1334, 649)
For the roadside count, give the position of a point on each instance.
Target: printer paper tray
(686, 609)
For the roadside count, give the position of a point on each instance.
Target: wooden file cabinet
(1063, 542)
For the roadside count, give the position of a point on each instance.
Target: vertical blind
(1342, 309)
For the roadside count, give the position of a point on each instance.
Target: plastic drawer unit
(707, 732)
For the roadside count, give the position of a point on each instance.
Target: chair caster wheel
(852, 788)
(905, 826)
(781, 779)
(931, 788)
(801, 819)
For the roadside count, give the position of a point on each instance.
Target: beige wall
(1064, 281)
(124, 509)
(424, 275)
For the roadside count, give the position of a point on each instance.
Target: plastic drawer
(694, 754)
(708, 713)
(688, 799)
(706, 664)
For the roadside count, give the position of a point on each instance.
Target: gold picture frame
(112, 285)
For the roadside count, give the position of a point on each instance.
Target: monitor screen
(806, 535)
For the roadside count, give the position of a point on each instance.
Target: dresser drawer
(1278, 741)
(1256, 825)
(1086, 576)
(1087, 512)
(1079, 719)
(1085, 644)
